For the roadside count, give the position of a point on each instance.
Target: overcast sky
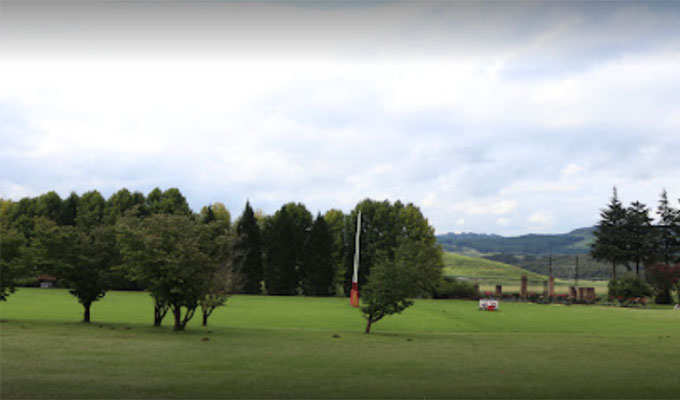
(496, 117)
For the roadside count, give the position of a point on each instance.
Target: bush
(663, 297)
(628, 287)
(455, 289)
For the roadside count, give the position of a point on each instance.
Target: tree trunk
(614, 271)
(368, 325)
(86, 316)
(205, 318)
(159, 312)
(637, 268)
(177, 311)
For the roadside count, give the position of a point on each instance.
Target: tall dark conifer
(610, 235)
(640, 238)
(317, 268)
(285, 235)
(248, 252)
(668, 232)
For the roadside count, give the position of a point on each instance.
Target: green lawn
(284, 347)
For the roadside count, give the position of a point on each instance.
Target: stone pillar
(523, 290)
(551, 287)
(499, 290)
(591, 294)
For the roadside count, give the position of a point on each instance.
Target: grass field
(284, 347)
(488, 274)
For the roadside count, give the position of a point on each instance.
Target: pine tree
(318, 272)
(668, 231)
(248, 252)
(640, 238)
(610, 235)
(285, 235)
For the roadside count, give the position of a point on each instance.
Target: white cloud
(481, 133)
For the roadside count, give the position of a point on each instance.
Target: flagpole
(354, 294)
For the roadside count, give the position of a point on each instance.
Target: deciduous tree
(80, 257)
(387, 291)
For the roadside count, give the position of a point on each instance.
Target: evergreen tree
(610, 235)
(336, 224)
(668, 231)
(69, 209)
(248, 252)
(285, 235)
(640, 238)
(318, 273)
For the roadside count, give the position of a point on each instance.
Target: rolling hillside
(574, 242)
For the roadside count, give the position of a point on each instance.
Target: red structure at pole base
(354, 295)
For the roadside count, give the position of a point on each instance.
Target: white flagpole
(354, 295)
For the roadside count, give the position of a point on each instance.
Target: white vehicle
(488, 305)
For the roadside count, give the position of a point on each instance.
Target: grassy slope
(489, 273)
(464, 266)
(266, 347)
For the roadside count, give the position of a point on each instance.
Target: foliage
(575, 242)
(170, 201)
(663, 278)
(248, 262)
(385, 227)
(669, 232)
(222, 284)
(122, 202)
(317, 267)
(285, 235)
(387, 291)
(336, 224)
(610, 235)
(639, 236)
(455, 289)
(629, 286)
(167, 254)
(12, 250)
(80, 256)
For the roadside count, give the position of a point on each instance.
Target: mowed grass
(488, 274)
(284, 347)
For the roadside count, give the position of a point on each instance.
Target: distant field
(488, 274)
(296, 347)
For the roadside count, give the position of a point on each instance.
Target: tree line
(629, 237)
(191, 262)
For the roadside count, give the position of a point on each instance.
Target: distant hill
(460, 266)
(574, 242)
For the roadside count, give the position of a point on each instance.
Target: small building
(47, 281)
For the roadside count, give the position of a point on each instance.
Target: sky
(492, 117)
